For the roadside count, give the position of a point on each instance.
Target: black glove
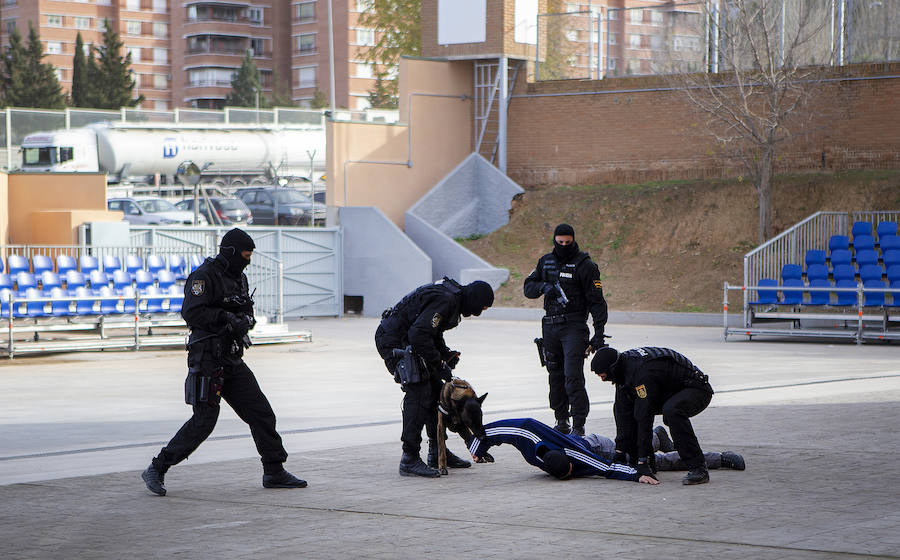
(445, 373)
(548, 288)
(644, 468)
(598, 341)
(239, 323)
(453, 359)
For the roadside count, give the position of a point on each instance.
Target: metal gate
(297, 272)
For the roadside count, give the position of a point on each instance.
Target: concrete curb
(624, 317)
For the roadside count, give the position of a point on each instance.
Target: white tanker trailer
(136, 153)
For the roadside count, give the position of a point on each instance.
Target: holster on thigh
(205, 380)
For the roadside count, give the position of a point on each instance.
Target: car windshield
(230, 204)
(38, 156)
(155, 205)
(292, 197)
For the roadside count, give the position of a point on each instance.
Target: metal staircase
(487, 91)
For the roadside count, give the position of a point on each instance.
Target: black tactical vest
(565, 274)
(680, 367)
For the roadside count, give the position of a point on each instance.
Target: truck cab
(61, 151)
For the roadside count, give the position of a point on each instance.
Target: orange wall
(441, 129)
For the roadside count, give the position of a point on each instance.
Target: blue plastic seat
(861, 228)
(133, 263)
(863, 243)
(792, 297)
(165, 278)
(885, 229)
(867, 256)
(791, 271)
(196, 261)
(109, 301)
(153, 304)
(143, 279)
(111, 263)
(155, 263)
(873, 299)
(816, 271)
(99, 280)
(895, 295)
(16, 264)
(814, 256)
(177, 299)
(817, 297)
(50, 280)
(870, 272)
(88, 264)
(24, 282)
(845, 298)
(65, 263)
(889, 243)
(176, 265)
(6, 282)
(837, 242)
(891, 258)
(41, 264)
(35, 308)
(74, 280)
(128, 303)
(84, 307)
(121, 279)
(839, 257)
(4, 302)
(893, 273)
(844, 272)
(766, 296)
(62, 307)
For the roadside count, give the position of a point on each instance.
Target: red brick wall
(637, 129)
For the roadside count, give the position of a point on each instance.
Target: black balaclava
(605, 361)
(557, 463)
(233, 243)
(564, 252)
(475, 297)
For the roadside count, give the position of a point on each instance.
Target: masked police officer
(219, 311)
(651, 381)
(410, 339)
(570, 283)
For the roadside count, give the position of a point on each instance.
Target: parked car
(151, 210)
(226, 210)
(292, 206)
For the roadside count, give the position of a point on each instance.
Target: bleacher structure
(69, 298)
(833, 275)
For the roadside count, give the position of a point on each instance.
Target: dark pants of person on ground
(676, 413)
(564, 345)
(242, 393)
(419, 409)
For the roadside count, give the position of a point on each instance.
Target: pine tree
(45, 91)
(383, 95)
(113, 83)
(281, 92)
(319, 100)
(14, 72)
(80, 82)
(245, 85)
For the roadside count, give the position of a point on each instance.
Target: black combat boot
(562, 426)
(732, 460)
(577, 427)
(453, 461)
(282, 479)
(665, 442)
(698, 475)
(154, 479)
(412, 465)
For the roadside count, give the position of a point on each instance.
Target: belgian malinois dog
(459, 410)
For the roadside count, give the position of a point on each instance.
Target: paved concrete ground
(815, 421)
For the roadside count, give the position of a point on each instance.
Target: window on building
(306, 12)
(160, 29)
(161, 105)
(306, 43)
(9, 2)
(611, 63)
(101, 24)
(363, 5)
(10, 25)
(258, 47)
(636, 16)
(82, 22)
(54, 20)
(210, 76)
(135, 53)
(656, 17)
(656, 42)
(612, 13)
(393, 72)
(255, 15)
(612, 38)
(306, 77)
(104, 2)
(160, 81)
(634, 41)
(571, 35)
(362, 101)
(159, 6)
(160, 56)
(59, 74)
(365, 37)
(365, 70)
(573, 7)
(133, 5)
(634, 66)
(54, 47)
(133, 27)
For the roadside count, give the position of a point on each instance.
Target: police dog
(459, 410)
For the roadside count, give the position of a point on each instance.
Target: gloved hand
(453, 359)
(239, 323)
(446, 373)
(597, 342)
(643, 467)
(549, 288)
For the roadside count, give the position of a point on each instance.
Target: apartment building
(185, 52)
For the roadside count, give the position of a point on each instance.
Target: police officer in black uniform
(219, 311)
(410, 339)
(570, 283)
(651, 381)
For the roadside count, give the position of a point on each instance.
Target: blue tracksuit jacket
(533, 438)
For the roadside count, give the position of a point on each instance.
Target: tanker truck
(134, 153)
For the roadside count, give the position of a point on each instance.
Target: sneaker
(696, 476)
(665, 442)
(562, 426)
(282, 479)
(154, 480)
(412, 465)
(732, 460)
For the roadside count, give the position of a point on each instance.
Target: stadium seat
(60, 308)
(84, 307)
(121, 280)
(891, 258)
(837, 242)
(109, 301)
(50, 280)
(152, 304)
(25, 281)
(867, 256)
(74, 280)
(885, 229)
(817, 297)
(845, 298)
(893, 273)
(889, 243)
(16, 264)
(143, 279)
(792, 297)
(844, 272)
(128, 295)
(6, 282)
(870, 272)
(41, 264)
(65, 263)
(133, 263)
(817, 271)
(873, 299)
(99, 280)
(861, 228)
(155, 263)
(88, 264)
(165, 279)
(839, 257)
(4, 302)
(791, 272)
(111, 263)
(766, 296)
(196, 261)
(35, 308)
(815, 256)
(863, 243)
(177, 299)
(895, 295)
(176, 264)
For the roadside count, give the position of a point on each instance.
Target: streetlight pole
(331, 55)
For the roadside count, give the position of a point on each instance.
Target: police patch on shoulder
(198, 287)
(436, 320)
(598, 284)
(641, 391)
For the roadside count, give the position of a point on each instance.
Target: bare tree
(767, 60)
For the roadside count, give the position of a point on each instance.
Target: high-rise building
(183, 54)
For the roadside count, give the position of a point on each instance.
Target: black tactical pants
(242, 393)
(419, 409)
(564, 346)
(676, 413)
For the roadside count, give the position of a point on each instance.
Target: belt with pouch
(563, 318)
